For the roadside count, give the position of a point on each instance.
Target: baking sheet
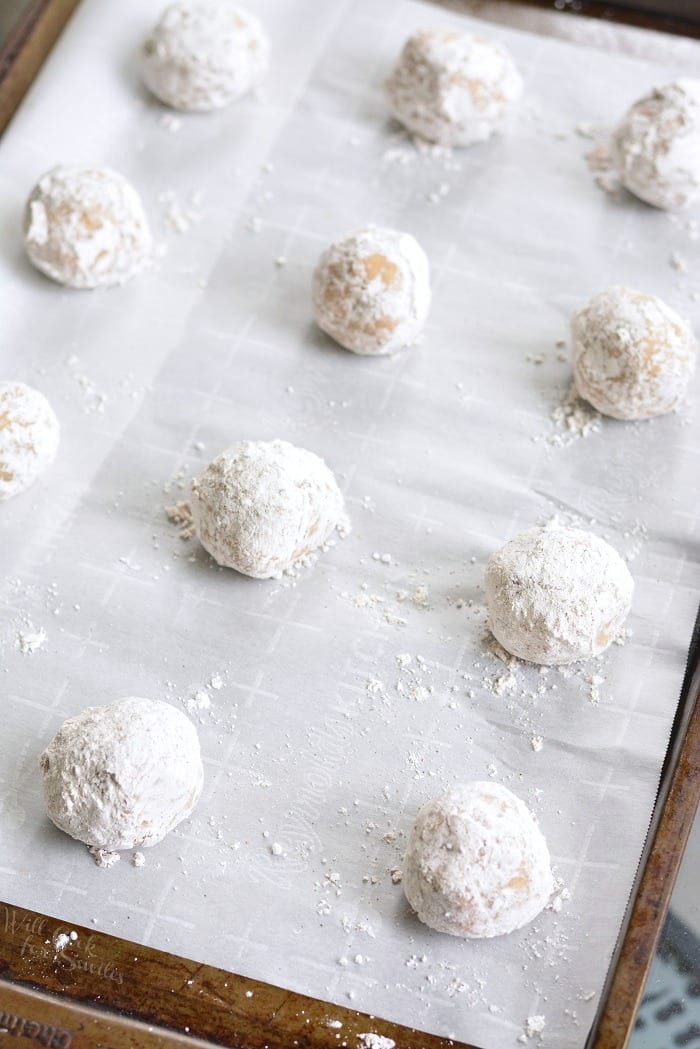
(324, 738)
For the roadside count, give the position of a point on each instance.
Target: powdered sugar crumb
(375, 1041)
(103, 858)
(29, 642)
(574, 418)
(535, 1025)
(178, 218)
(180, 514)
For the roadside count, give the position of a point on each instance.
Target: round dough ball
(557, 595)
(86, 228)
(203, 54)
(477, 864)
(29, 433)
(122, 776)
(371, 290)
(656, 148)
(633, 355)
(453, 88)
(261, 506)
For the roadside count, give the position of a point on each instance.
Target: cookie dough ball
(29, 433)
(86, 228)
(656, 148)
(122, 776)
(371, 290)
(453, 88)
(557, 595)
(477, 864)
(633, 356)
(204, 54)
(261, 506)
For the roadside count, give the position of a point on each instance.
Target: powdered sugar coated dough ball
(262, 506)
(557, 595)
(29, 433)
(453, 88)
(371, 290)
(204, 54)
(477, 864)
(124, 775)
(656, 148)
(86, 228)
(633, 356)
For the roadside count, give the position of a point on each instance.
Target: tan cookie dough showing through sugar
(477, 864)
(453, 88)
(633, 356)
(204, 54)
(371, 290)
(85, 227)
(29, 435)
(263, 506)
(656, 147)
(557, 595)
(122, 776)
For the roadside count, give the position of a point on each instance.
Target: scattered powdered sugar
(138, 859)
(534, 1025)
(198, 702)
(594, 681)
(170, 122)
(561, 896)
(178, 217)
(574, 419)
(93, 399)
(382, 606)
(600, 164)
(31, 641)
(409, 150)
(677, 262)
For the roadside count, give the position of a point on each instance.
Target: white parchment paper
(323, 738)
